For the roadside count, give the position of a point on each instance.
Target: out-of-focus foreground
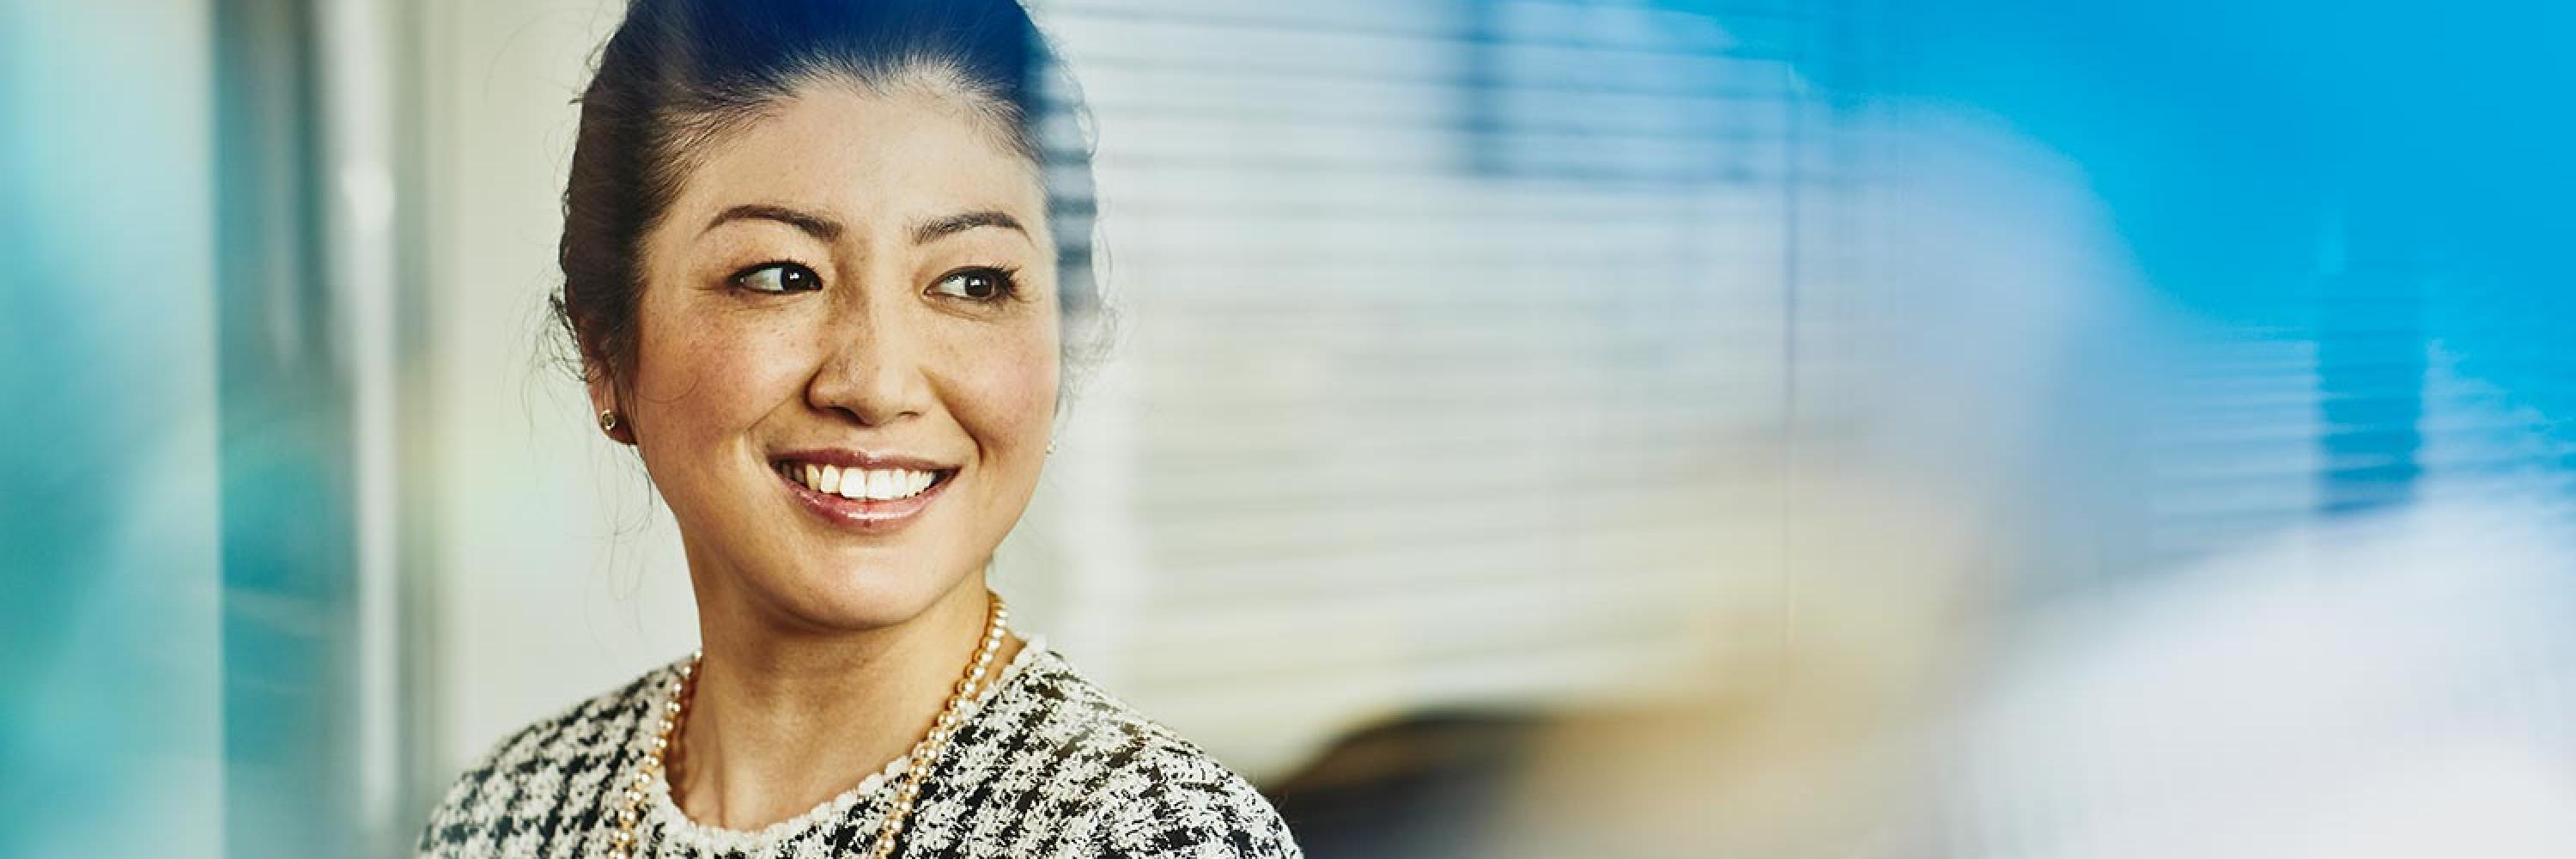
(1592, 427)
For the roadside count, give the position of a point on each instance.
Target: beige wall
(551, 576)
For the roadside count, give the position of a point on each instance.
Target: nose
(872, 370)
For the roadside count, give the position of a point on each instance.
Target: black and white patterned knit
(1046, 765)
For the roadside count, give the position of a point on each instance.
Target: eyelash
(1006, 280)
(742, 279)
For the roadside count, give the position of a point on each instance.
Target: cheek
(1010, 387)
(707, 379)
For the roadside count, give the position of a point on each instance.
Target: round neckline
(678, 827)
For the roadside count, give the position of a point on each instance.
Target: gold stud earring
(608, 422)
(1050, 447)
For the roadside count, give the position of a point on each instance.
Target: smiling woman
(810, 268)
(818, 296)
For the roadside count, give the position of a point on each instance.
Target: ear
(602, 388)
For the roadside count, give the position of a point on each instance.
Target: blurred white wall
(551, 575)
(2390, 685)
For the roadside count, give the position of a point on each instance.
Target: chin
(869, 591)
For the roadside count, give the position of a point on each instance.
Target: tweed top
(1045, 764)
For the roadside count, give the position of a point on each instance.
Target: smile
(875, 497)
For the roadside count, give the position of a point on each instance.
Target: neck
(781, 722)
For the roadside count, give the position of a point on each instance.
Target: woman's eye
(976, 284)
(778, 277)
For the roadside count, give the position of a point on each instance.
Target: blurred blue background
(1633, 427)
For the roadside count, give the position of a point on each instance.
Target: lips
(861, 491)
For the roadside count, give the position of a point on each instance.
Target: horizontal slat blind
(1452, 356)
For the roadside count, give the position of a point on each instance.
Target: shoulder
(1179, 802)
(517, 796)
(1132, 786)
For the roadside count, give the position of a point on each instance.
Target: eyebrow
(814, 225)
(827, 229)
(934, 230)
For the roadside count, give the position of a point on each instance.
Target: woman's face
(845, 377)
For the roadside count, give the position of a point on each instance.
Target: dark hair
(678, 74)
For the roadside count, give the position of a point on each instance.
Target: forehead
(877, 161)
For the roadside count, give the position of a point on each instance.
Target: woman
(809, 267)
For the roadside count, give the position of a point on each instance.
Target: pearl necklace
(924, 753)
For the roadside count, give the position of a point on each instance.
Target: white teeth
(885, 484)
